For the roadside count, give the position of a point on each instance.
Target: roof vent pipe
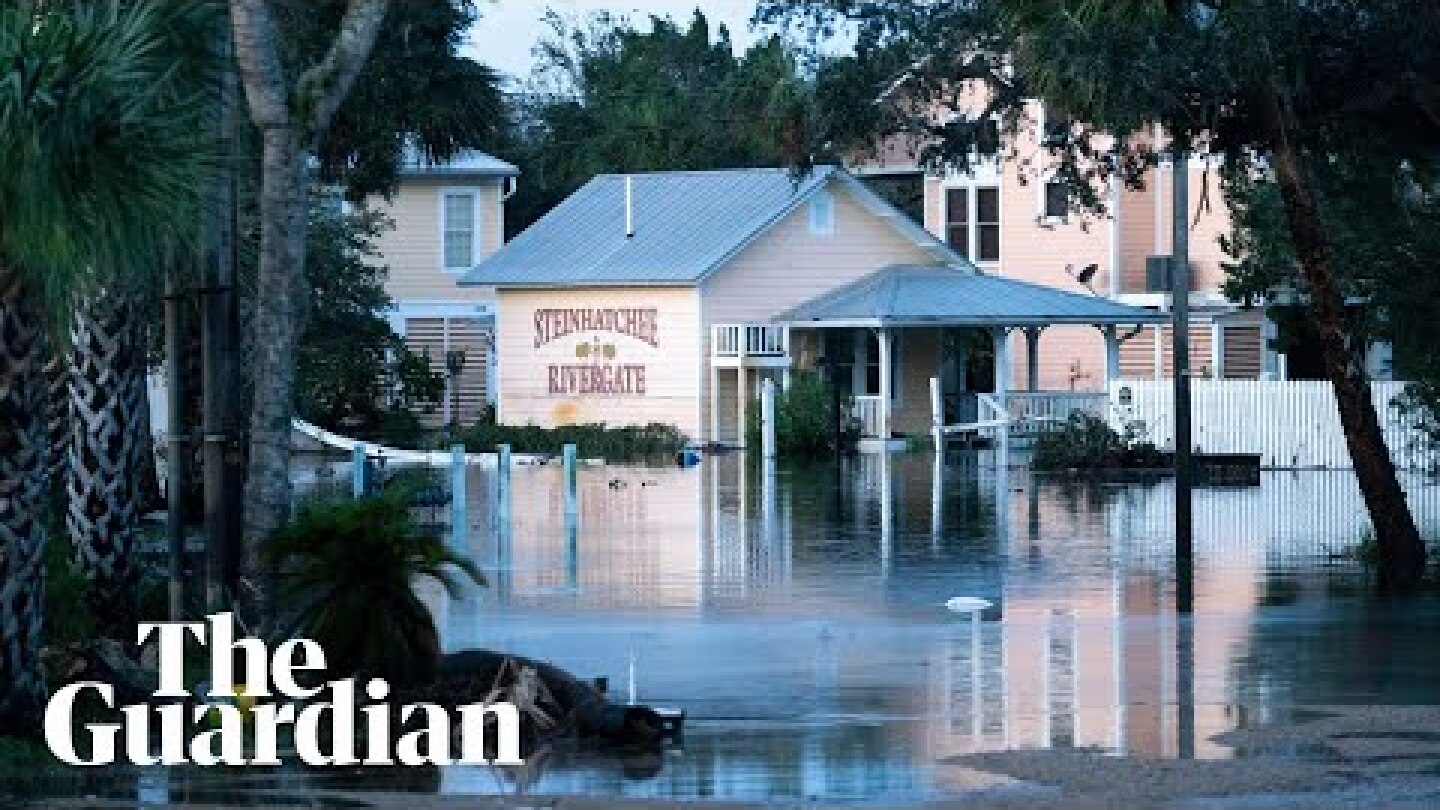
(629, 207)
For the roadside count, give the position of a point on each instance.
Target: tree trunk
(106, 457)
(1401, 549)
(276, 326)
(23, 454)
(291, 121)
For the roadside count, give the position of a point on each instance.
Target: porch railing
(867, 413)
(750, 340)
(1037, 408)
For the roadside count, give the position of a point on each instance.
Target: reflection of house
(446, 217)
(667, 297)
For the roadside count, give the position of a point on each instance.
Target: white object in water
(967, 604)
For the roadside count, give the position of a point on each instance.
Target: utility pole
(1180, 319)
(217, 345)
(176, 440)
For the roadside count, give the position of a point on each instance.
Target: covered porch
(927, 351)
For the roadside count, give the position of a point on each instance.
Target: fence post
(937, 415)
(570, 457)
(357, 470)
(767, 418)
(458, 516)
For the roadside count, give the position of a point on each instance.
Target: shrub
(344, 571)
(1087, 442)
(805, 419)
(647, 442)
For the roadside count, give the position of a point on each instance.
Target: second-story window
(1057, 200)
(972, 222)
(459, 236)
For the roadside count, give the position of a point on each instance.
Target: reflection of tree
(1333, 642)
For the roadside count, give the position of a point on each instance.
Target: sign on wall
(603, 336)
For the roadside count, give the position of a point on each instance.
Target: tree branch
(261, 72)
(322, 88)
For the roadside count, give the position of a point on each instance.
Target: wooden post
(767, 418)
(1001, 340)
(742, 401)
(1032, 358)
(1112, 355)
(176, 443)
(502, 517)
(459, 513)
(357, 470)
(218, 327)
(937, 415)
(570, 455)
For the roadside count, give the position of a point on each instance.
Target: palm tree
(106, 454)
(98, 162)
(346, 572)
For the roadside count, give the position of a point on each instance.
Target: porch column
(883, 339)
(714, 402)
(1112, 354)
(1032, 358)
(1003, 371)
(742, 402)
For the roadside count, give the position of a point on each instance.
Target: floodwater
(797, 616)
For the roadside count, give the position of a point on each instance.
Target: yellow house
(445, 218)
(665, 297)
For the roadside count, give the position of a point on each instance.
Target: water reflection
(797, 615)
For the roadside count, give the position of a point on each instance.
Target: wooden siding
(672, 368)
(1137, 355)
(1244, 352)
(411, 248)
(788, 266)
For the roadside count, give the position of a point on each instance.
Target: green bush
(344, 572)
(648, 442)
(1087, 442)
(805, 419)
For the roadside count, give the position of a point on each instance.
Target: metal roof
(915, 295)
(465, 162)
(686, 225)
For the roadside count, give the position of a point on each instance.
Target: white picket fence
(1291, 424)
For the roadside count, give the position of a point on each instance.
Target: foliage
(648, 442)
(805, 419)
(1087, 442)
(68, 617)
(608, 97)
(100, 142)
(352, 371)
(345, 570)
(1275, 88)
(1385, 223)
(415, 86)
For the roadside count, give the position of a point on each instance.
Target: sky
(508, 29)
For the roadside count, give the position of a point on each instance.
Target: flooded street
(798, 617)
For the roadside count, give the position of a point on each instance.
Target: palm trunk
(276, 326)
(23, 443)
(107, 455)
(1401, 549)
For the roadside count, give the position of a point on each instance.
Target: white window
(822, 214)
(972, 222)
(460, 228)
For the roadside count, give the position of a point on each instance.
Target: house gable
(791, 262)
